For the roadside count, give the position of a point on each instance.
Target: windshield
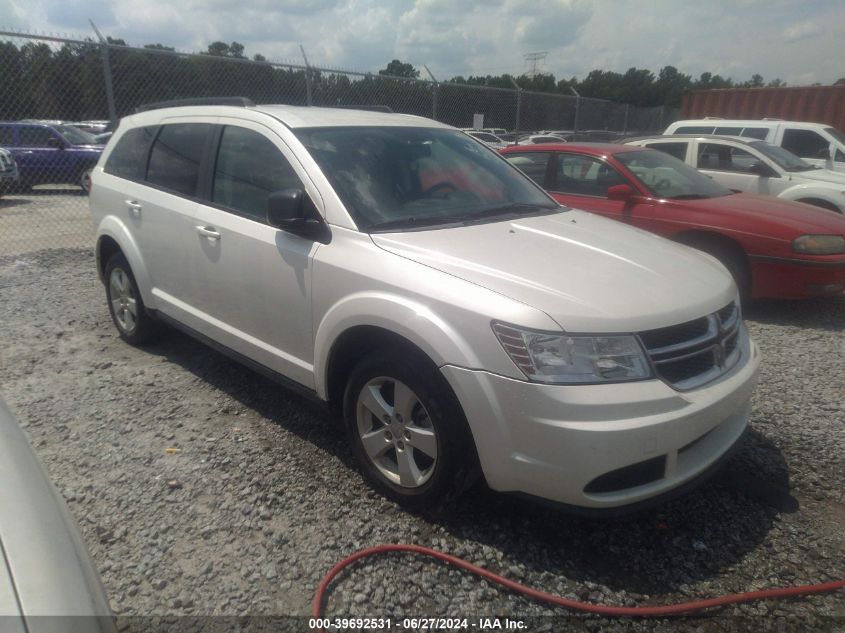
(390, 178)
(75, 136)
(839, 136)
(667, 177)
(783, 157)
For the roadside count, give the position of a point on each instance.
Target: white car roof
(291, 116)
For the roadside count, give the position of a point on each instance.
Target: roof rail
(242, 102)
(371, 108)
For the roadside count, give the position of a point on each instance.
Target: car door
(255, 280)
(737, 168)
(39, 153)
(160, 209)
(581, 181)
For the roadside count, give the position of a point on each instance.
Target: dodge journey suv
(460, 321)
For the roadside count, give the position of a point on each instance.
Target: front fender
(115, 229)
(403, 316)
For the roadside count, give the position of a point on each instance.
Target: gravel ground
(260, 498)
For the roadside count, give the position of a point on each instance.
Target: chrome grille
(691, 354)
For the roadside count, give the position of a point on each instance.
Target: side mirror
(291, 210)
(620, 192)
(762, 170)
(54, 142)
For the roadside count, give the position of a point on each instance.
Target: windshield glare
(665, 176)
(783, 157)
(393, 174)
(75, 136)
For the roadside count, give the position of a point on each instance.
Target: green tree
(399, 69)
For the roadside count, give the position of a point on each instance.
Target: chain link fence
(81, 87)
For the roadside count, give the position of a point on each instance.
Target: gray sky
(799, 41)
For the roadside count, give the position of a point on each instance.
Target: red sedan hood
(802, 218)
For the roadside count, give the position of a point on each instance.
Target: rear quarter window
(128, 158)
(678, 150)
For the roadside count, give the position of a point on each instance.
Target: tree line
(68, 82)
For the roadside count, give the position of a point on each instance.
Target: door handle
(134, 208)
(209, 232)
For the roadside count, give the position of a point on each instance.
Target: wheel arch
(113, 237)
(701, 239)
(364, 322)
(819, 202)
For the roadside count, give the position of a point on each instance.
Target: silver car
(47, 579)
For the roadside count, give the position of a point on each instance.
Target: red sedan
(772, 247)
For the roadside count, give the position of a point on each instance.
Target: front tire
(126, 306)
(407, 430)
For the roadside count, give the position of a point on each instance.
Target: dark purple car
(50, 153)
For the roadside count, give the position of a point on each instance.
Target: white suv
(757, 167)
(818, 144)
(408, 276)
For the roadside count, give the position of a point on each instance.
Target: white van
(816, 143)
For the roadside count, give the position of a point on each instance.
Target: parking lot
(204, 489)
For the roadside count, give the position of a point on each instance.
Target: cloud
(802, 31)
(735, 38)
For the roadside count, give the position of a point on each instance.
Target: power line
(533, 58)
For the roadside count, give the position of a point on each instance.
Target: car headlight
(819, 244)
(573, 358)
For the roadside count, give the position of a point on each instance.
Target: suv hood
(822, 175)
(588, 273)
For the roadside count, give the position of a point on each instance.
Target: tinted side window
(129, 155)
(175, 157)
(36, 136)
(805, 143)
(755, 132)
(7, 135)
(532, 164)
(694, 129)
(249, 168)
(678, 150)
(729, 131)
(585, 176)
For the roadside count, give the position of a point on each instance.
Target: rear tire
(407, 430)
(126, 306)
(84, 181)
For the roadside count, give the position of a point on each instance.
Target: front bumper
(602, 446)
(796, 278)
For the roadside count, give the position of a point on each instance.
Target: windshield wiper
(803, 168)
(414, 222)
(689, 196)
(516, 209)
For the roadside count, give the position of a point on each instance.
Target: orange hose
(577, 605)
